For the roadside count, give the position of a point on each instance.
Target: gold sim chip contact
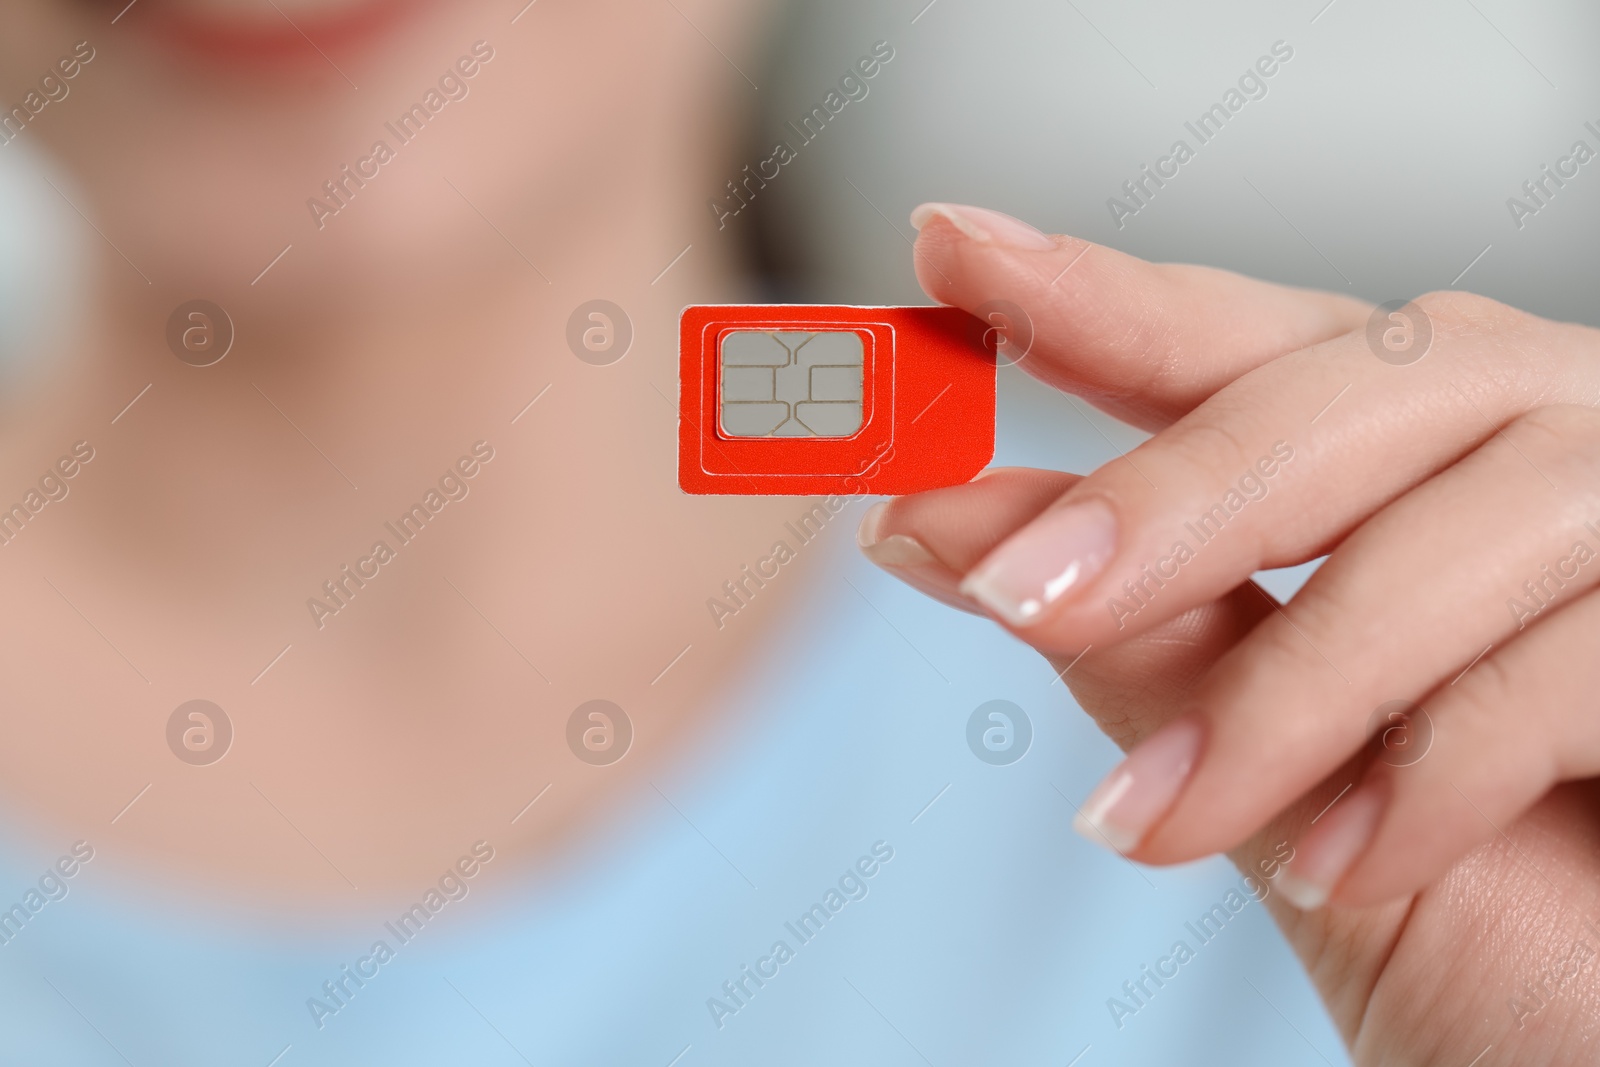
(789, 383)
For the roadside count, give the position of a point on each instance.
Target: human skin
(432, 709)
(1465, 885)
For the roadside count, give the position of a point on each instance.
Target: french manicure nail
(1056, 553)
(893, 550)
(982, 224)
(870, 532)
(1329, 850)
(1123, 808)
(909, 560)
(898, 550)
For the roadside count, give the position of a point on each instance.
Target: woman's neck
(424, 712)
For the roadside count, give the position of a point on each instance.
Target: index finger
(1145, 342)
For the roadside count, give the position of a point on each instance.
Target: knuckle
(1559, 437)
(1225, 439)
(1489, 685)
(1311, 621)
(1283, 645)
(1566, 423)
(1473, 706)
(1455, 313)
(1476, 707)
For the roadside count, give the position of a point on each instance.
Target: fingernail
(1044, 561)
(898, 550)
(982, 224)
(910, 561)
(895, 550)
(1329, 850)
(1124, 807)
(870, 532)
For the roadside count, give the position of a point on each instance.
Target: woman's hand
(1458, 495)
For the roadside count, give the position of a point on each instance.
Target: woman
(392, 729)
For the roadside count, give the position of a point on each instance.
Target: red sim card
(808, 400)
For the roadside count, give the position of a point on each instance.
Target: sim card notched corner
(809, 400)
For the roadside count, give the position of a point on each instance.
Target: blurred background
(618, 918)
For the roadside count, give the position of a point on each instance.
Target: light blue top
(993, 934)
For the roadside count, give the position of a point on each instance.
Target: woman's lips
(271, 32)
